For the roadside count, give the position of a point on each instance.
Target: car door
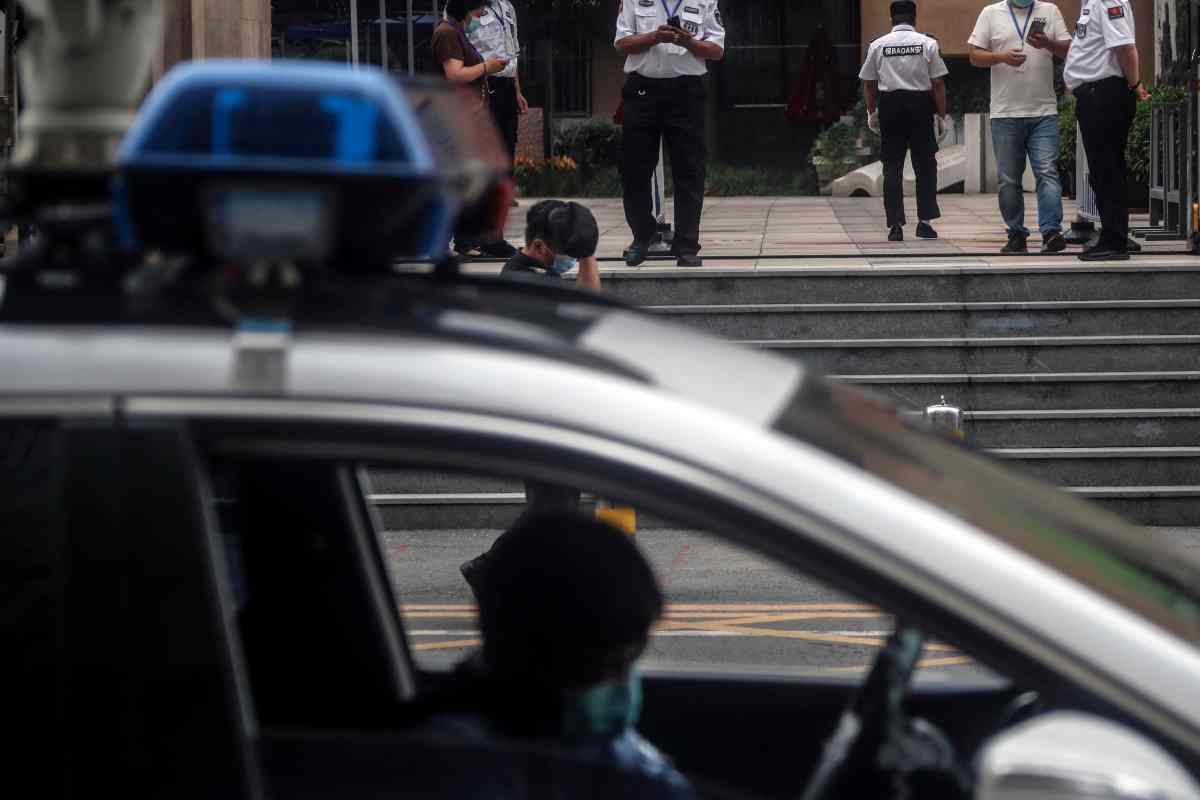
(119, 669)
(299, 477)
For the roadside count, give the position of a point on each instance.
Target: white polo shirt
(496, 36)
(701, 18)
(1027, 90)
(1103, 25)
(904, 60)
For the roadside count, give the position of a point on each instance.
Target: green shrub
(835, 152)
(558, 177)
(1066, 141)
(724, 180)
(593, 145)
(1137, 148)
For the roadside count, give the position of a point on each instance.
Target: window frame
(653, 482)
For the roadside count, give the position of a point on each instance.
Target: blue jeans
(1036, 137)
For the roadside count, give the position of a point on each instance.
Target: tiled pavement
(760, 233)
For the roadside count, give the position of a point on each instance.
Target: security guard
(1102, 72)
(904, 89)
(666, 44)
(495, 36)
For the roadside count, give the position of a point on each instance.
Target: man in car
(559, 237)
(565, 613)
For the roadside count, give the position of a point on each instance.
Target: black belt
(641, 81)
(1091, 86)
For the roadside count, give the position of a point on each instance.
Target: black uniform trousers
(906, 122)
(502, 100)
(1105, 110)
(670, 110)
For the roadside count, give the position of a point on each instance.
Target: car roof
(402, 318)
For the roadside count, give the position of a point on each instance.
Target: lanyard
(1028, 18)
(671, 13)
(510, 36)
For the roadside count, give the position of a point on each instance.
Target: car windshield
(1150, 576)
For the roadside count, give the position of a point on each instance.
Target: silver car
(199, 595)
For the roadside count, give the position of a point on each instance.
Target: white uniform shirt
(1103, 25)
(701, 18)
(1027, 90)
(904, 60)
(496, 36)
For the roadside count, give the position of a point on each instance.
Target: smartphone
(675, 22)
(1038, 26)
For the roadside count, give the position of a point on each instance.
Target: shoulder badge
(1116, 12)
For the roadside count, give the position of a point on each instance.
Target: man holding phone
(666, 44)
(1024, 110)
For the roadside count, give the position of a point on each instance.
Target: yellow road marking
(923, 664)
(454, 645)
(672, 608)
(768, 619)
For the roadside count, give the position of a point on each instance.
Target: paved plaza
(758, 233)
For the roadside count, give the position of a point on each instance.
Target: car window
(1148, 575)
(728, 609)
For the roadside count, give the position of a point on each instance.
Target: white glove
(942, 126)
(873, 121)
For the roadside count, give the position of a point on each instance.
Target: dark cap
(904, 7)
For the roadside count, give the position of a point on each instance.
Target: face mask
(1022, 3)
(607, 709)
(562, 265)
(472, 24)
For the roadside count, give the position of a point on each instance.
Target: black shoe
(1104, 252)
(896, 233)
(635, 254)
(1053, 242)
(688, 260)
(1133, 246)
(926, 231)
(1017, 243)
(500, 249)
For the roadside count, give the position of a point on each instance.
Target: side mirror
(1072, 756)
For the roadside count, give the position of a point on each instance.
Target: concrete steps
(1133, 280)
(1000, 354)
(940, 320)
(1087, 376)
(1152, 427)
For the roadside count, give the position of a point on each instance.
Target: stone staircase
(1084, 376)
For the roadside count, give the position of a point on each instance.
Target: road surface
(727, 609)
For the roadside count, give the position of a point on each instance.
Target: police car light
(313, 162)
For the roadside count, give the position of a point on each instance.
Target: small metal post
(383, 53)
(354, 33)
(408, 16)
(944, 419)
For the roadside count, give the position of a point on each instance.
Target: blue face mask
(605, 710)
(562, 265)
(472, 24)
(1022, 3)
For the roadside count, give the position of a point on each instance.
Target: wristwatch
(1134, 88)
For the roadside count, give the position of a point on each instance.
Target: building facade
(787, 62)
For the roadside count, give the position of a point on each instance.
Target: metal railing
(1168, 179)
